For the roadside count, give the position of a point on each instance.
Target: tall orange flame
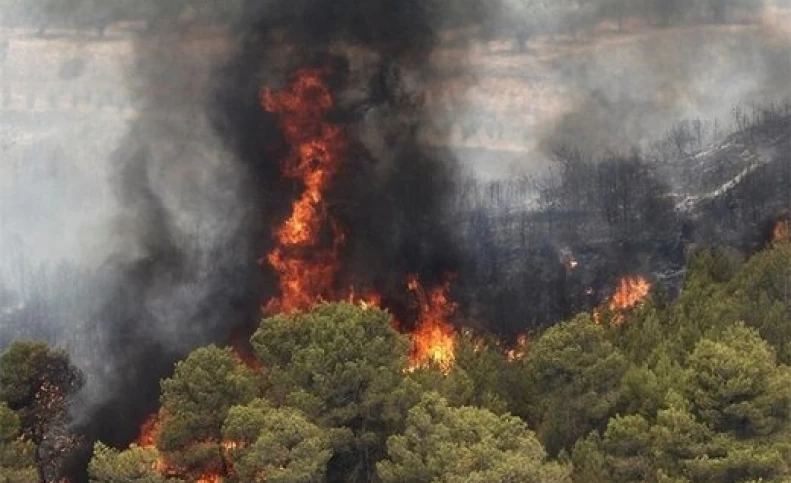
(434, 338)
(305, 262)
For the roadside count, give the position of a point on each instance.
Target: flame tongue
(631, 292)
(306, 266)
(517, 352)
(434, 338)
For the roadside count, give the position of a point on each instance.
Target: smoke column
(199, 180)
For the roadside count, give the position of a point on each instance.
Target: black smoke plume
(199, 179)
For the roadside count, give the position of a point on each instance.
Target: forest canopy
(693, 390)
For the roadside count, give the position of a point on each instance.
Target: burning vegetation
(149, 432)
(433, 338)
(782, 231)
(518, 351)
(630, 292)
(305, 256)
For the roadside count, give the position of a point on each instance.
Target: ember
(210, 479)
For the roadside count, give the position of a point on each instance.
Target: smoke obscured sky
(611, 91)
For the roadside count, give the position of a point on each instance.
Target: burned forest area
(395, 241)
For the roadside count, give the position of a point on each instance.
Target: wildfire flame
(631, 292)
(149, 432)
(518, 351)
(782, 232)
(434, 339)
(243, 351)
(366, 300)
(304, 260)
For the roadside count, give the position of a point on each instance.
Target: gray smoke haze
(579, 80)
(114, 210)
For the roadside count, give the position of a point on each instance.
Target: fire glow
(149, 433)
(782, 232)
(306, 253)
(305, 261)
(434, 338)
(630, 293)
(518, 351)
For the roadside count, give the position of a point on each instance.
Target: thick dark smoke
(199, 179)
(391, 193)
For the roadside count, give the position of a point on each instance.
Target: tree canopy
(276, 444)
(694, 389)
(446, 444)
(37, 384)
(344, 367)
(195, 403)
